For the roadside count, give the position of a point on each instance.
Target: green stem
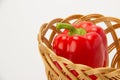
(72, 30)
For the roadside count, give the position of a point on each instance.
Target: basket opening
(102, 24)
(118, 33)
(109, 39)
(111, 56)
(73, 21)
(47, 34)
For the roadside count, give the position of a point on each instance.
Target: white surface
(20, 21)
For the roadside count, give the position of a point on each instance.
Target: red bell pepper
(83, 43)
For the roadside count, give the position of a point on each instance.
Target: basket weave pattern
(47, 33)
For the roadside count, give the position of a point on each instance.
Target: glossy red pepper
(83, 43)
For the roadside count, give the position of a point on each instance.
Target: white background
(20, 21)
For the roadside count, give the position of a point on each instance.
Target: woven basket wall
(47, 33)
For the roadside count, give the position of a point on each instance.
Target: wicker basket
(48, 31)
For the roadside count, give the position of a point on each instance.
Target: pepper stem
(72, 30)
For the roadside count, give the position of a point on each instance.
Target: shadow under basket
(59, 68)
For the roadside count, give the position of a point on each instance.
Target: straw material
(59, 68)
